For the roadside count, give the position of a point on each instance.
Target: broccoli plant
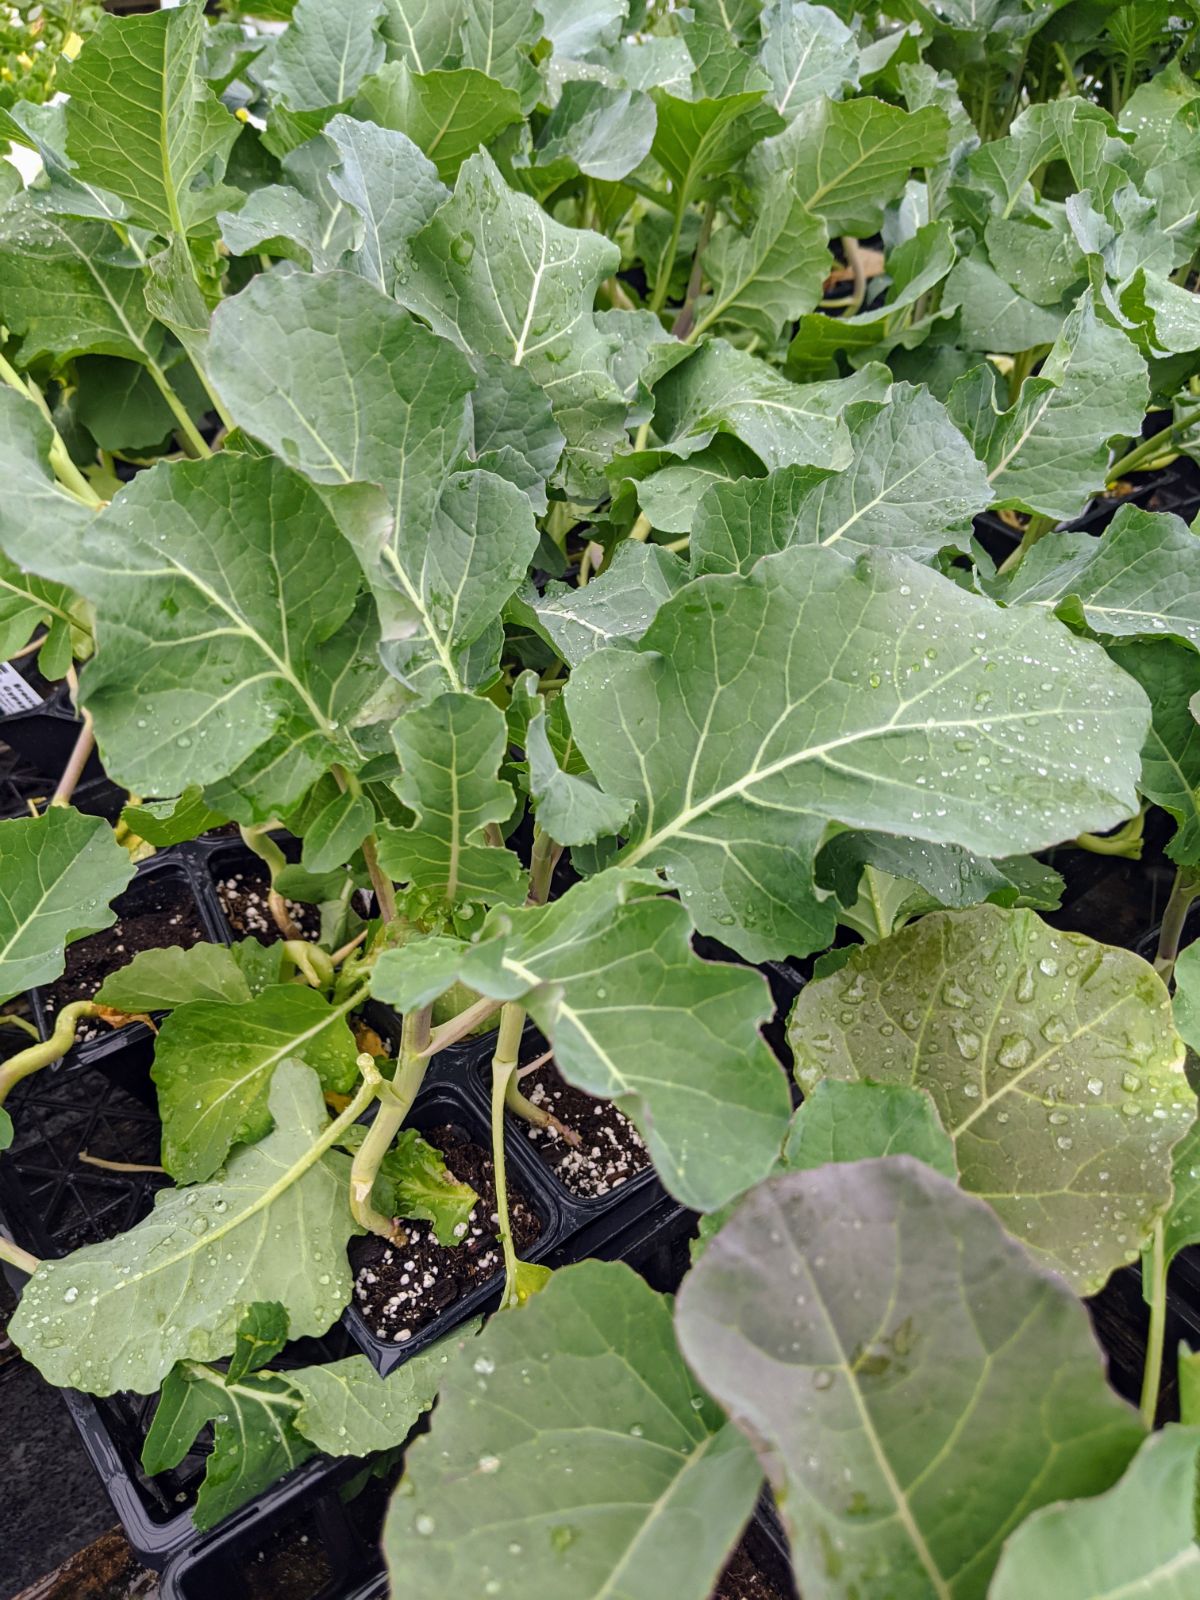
(443, 436)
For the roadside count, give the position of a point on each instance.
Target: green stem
(1036, 529)
(537, 1116)
(16, 1257)
(1068, 71)
(1150, 448)
(1152, 1371)
(682, 326)
(258, 840)
(460, 1026)
(385, 892)
(65, 469)
(389, 1118)
(85, 743)
(1183, 891)
(36, 1056)
(313, 964)
(543, 861)
(504, 1064)
(195, 439)
(10, 1020)
(667, 262)
(1127, 840)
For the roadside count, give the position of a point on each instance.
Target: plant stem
(16, 1257)
(854, 260)
(1126, 841)
(1152, 1371)
(682, 326)
(1183, 891)
(117, 1166)
(641, 529)
(389, 1117)
(460, 1026)
(347, 949)
(1036, 529)
(504, 1064)
(268, 852)
(543, 861)
(662, 283)
(85, 743)
(385, 892)
(36, 1056)
(537, 1116)
(1148, 449)
(10, 1020)
(65, 469)
(194, 438)
(313, 964)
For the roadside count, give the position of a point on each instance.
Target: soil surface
(292, 1566)
(742, 1580)
(156, 911)
(612, 1151)
(401, 1287)
(243, 892)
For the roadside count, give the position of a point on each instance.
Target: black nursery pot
(40, 723)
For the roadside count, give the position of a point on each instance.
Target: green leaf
(739, 756)
(59, 871)
(1187, 996)
(1049, 451)
(697, 141)
(1189, 1385)
(6, 1129)
(1051, 1059)
(913, 485)
(1140, 577)
(848, 158)
(241, 635)
(34, 509)
(808, 52)
(261, 1335)
(496, 37)
(932, 876)
(659, 1485)
(842, 1121)
(142, 123)
(1138, 1539)
(27, 603)
(389, 185)
(576, 27)
(387, 405)
(450, 751)
(633, 1015)
(70, 289)
(770, 273)
(118, 1315)
(840, 1303)
(1181, 1226)
(496, 275)
(448, 114)
(347, 1409)
(214, 1062)
(414, 1181)
(326, 51)
(618, 605)
(568, 805)
(724, 390)
(994, 316)
(423, 33)
(1170, 675)
(602, 132)
(167, 822)
(336, 832)
(160, 980)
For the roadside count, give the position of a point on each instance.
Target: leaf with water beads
(1052, 1061)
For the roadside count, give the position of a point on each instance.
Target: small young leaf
(414, 1181)
(659, 1484)
(261, 1335)
(618, 605)
(842, 1121)
(1051, 1059)
(336, 832)
(118, 1315)
(1170, 675)
(214, 1062)
(1138, 1539)
(59, 871)
(167, 822)
(808, 52)
(837, 1300)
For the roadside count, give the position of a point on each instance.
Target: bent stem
(1036, 529)
(1152, 1371)
(460, 1026)
(504, 1065)
(312, 963)
(85, 743)
(395, 1102)
(36, 1056)
(16, 1257)
(1183, 891)
(1127, 840)
(272, 857)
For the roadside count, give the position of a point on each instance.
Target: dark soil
(742, 1580)
(156, 911)
(292, 1566)
(243, 892)
(612, 1151)
(401, 1287)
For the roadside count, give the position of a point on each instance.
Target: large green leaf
(608, 974)
(58, 873)
(872, 693)
(214, 1062)
(771, 272)
(1052, 1060)
(450, 751)
(143, 124)
(1141, 576)
(386, 404)
(159, 980)
(1049, 451)
(808, 51)
(68, 288)
(448, 114)
(848, 158)
(570, 1446)
(839, 1304)
(497, 275)
(243, 625)
(697, 141)
(118, 1315)
(35, 509)
(326, 51)
(1139, 1539)
(389, 185)
(913, 485)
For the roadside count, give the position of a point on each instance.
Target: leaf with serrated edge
(913, 485)
(58, 873)
(633, 1015)
(1138, 1539)
(448, 114)
(876, 694)
(214, 1062)
(1052, 1061)
(275, 1226)
(620, 604)
(324, 54)
(836, 1306)
(659, 1485)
